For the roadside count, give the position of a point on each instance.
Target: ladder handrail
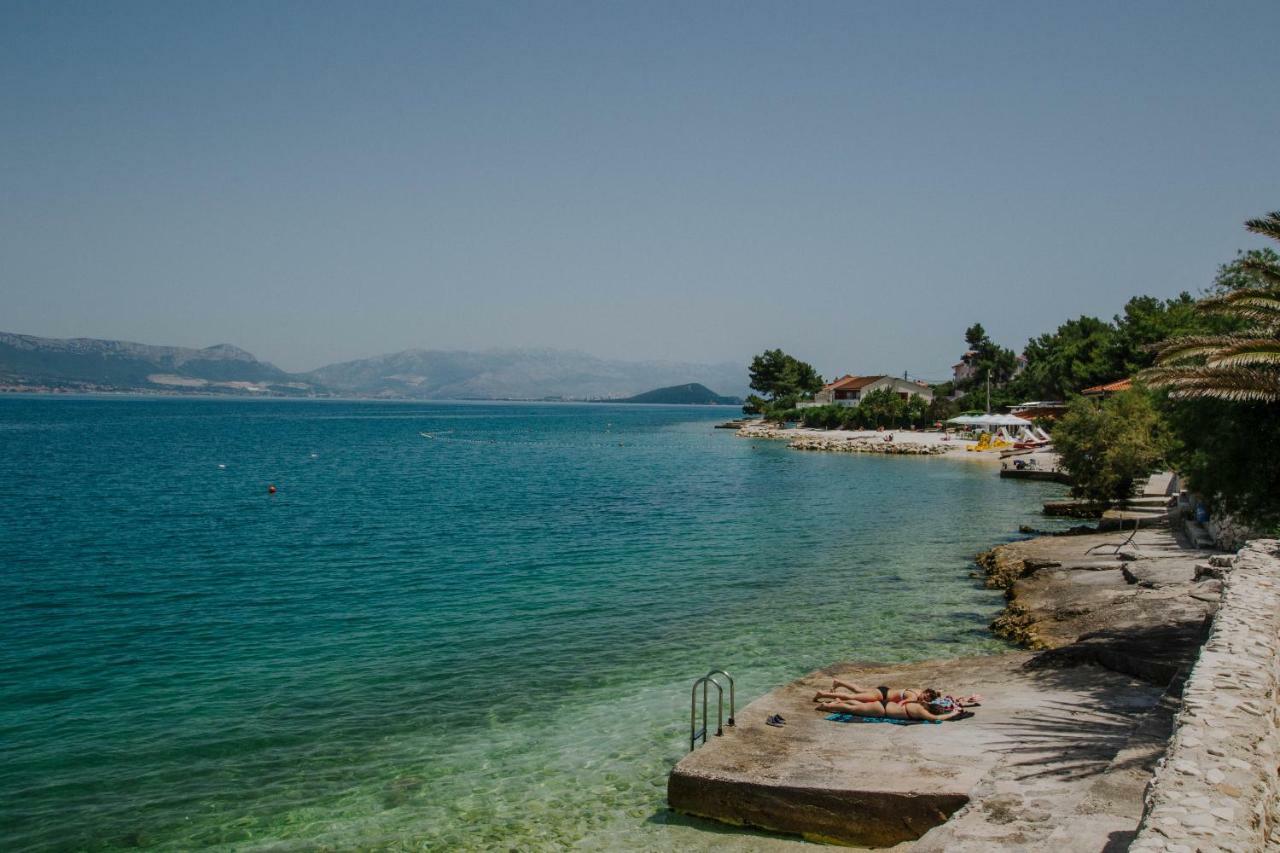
(694, 732)
(705, 682)
(730, 677)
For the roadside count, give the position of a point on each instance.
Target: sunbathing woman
(883, 695)
(906, 710)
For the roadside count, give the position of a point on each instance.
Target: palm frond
(1260, 305)
(1258, 351)
(1267, 272)
(1243, 366)
(1194, 346)
(1267, 226)
(1236, 384)
(1254, 297)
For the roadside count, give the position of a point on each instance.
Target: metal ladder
(705, 682)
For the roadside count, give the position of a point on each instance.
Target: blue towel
(855, 718)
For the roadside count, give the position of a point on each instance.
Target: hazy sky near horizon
(853, 182)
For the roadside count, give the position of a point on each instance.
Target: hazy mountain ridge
(96, 364)
(90, 364)
(514, 374)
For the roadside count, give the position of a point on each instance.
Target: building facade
(851, 390)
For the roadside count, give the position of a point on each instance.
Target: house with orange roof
(850, 390)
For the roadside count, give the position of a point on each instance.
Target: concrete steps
(1197, 534)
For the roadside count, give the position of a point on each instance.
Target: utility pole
(988, 391)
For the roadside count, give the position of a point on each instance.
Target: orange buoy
(271, 490)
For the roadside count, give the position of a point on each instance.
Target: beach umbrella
(1006, 420)
(990, 423)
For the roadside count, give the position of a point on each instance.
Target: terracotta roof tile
(1110, 387)
(853, 383)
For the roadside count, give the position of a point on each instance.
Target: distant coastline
(119, 393)
(35, 364)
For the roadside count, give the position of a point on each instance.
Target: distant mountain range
(86, 364)
(521, 374)
(690, 394)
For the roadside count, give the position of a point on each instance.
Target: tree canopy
(1244, 272)
(1075, 356)
(1107, 447)
(1090, 351)
(987, 358)
(1224, 453)
(782, 379)
(776, 374)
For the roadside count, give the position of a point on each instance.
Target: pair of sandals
(775, 720)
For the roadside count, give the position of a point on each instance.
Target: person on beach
(848, 692)
(892, 710)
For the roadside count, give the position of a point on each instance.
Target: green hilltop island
(690, 394)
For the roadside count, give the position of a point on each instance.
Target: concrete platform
(1035, 474)
(877, 785)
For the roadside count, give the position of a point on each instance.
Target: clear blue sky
(853, 182)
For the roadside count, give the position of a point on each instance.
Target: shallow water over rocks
(482, 637)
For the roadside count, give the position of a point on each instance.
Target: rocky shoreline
(899, 443)
(1143, 607)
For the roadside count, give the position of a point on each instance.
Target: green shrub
(1108, 447)
(1227, 453)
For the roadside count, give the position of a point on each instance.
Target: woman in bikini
(892, 710)
(897, 703)
(847, 691)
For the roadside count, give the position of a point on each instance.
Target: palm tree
(1243, 365)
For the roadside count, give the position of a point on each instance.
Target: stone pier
(1036, 750)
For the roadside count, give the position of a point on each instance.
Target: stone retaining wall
(1216, 787)
(1229, 533)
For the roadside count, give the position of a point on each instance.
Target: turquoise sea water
(481, 640)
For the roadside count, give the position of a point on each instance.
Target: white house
(851, 390)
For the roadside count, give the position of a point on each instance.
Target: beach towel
(855, 718)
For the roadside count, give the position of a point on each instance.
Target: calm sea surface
(481, 640)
